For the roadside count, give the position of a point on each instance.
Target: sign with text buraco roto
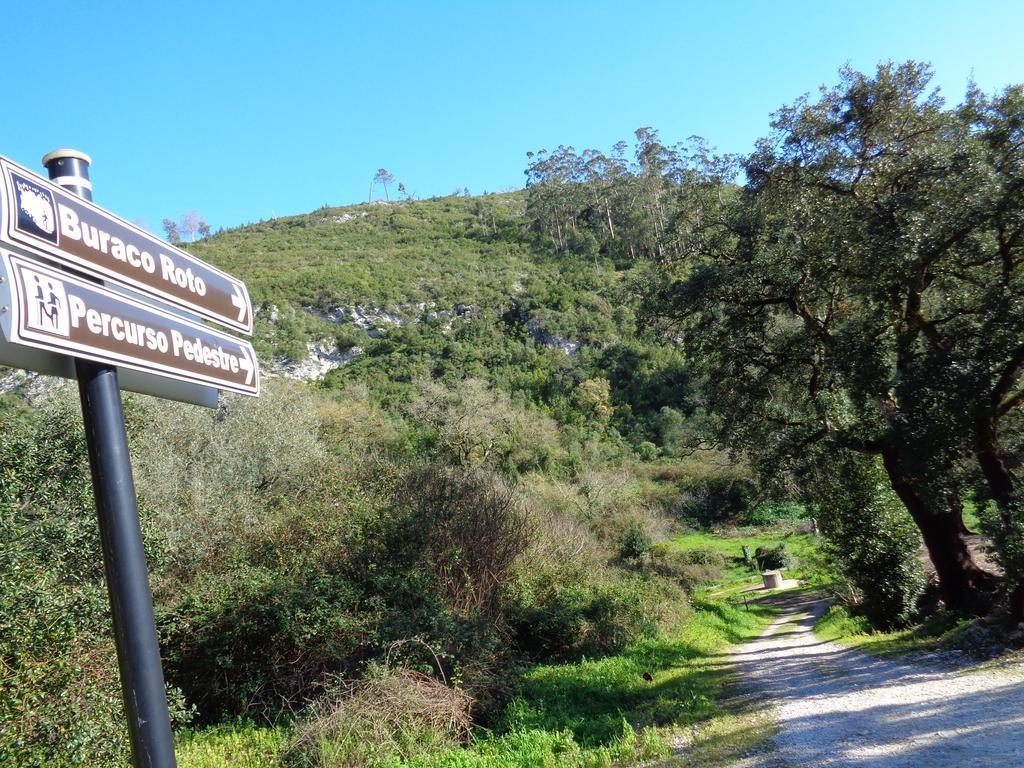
(41, 218)
(54, 311)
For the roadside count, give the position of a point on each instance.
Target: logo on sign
(37, 213)
(47, 305)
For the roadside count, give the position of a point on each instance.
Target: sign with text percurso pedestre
(43, 219)
(51, 310)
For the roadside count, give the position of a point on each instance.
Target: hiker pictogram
(47, 309)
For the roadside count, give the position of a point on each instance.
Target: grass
(726, 740)
(971, 519)
(583, 714)
(239, 745)
(840, 625)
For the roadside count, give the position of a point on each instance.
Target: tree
(191, 224)
(555, 192)
(985, 340)
(862, 291)
(590, 201)
(171, 231)
(384, 177)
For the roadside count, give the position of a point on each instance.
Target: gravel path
(840, 707)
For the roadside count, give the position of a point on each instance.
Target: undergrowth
(842, 625)
(582, 714)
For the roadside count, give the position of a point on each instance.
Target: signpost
(50, 316)
(41, 218)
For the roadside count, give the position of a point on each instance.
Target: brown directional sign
(51, 310)
(40, 217)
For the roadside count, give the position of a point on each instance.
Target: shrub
(325, 589)
(635, 542)
(772, 558)
(567, 613)
(689, 567)
(60, 697)
(217, 478)
(703, 556)
(647, 451)
(385, 716)
(247, 643)
(477, 425)
(474, 528)
(771, 513)
(614, 505)
(870, 533)
(714, 500)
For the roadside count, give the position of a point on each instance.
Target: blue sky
(243, 111)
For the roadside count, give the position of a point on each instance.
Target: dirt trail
(839, 707)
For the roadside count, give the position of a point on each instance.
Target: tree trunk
(997, 475)
(962, 583)
(1000, 484)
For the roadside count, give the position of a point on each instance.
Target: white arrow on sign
(246, 364)
(238, 301)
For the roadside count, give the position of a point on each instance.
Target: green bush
(772, 558)
(634, 542)
(60, 695)
(244, 644)
(703, 556)
(215, 479)
(714, 500)
(325, 589)
(647, 451)
(565, 615)
(869, 532)
(689, 567)
(771, 513)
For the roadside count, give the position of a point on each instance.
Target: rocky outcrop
(541, 336)
(324, 356)
(28, 385)
(345, 217)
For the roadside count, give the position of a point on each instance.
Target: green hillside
(444, 250)
(476, 293)
(416, 258)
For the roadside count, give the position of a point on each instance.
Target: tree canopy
(863, 290)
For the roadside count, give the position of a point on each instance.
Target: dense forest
(489, 508)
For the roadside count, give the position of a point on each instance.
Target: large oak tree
(862, 289)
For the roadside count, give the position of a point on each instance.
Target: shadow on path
(837, 706)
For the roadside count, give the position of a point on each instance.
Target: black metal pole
(124, 560)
